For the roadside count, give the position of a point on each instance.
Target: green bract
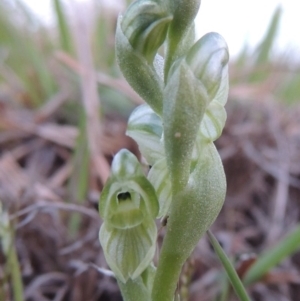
(193, 83)
(145, 127)
(161, 181)
(192, 212)
(139, 34)
(128, 206)
(181, 34)
(141, 75)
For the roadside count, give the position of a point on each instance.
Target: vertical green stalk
(78, 182)
(15, 272)
(225, 289)
(230, 270)
(166, 277)
(9, 250)
(289, 244)
(64, 32)
(134, 290)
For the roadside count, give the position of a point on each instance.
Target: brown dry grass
(260, 149)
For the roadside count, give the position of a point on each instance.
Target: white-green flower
(128, 206)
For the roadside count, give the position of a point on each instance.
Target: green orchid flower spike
(185, 91)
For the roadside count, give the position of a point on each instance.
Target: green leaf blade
(231, 272)
(269, 259)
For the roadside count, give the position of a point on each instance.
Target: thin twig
(269, 168)
(61, 206)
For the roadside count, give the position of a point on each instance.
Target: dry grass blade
(41, 283)
(260, 148)
(52, 106)
(60, 206)
(102, 78)
(10, 169)
(64, 135)
(121, 85)
(90, 98)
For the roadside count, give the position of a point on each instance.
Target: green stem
(172, 256)
(14, 268)
(134, 290)
(270, 258)
(231, 272)
(166, 278)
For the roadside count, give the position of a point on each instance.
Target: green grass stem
(230, 270)
(286, 247)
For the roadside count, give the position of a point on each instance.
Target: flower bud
(208, 59)
(143, 76)
(145, 25)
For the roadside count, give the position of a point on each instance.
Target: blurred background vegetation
(63, 112)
